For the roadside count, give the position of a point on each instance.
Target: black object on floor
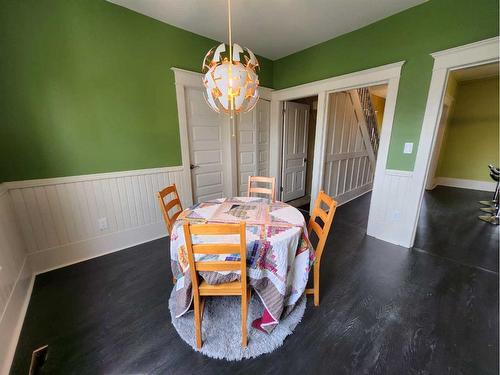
(384, 309)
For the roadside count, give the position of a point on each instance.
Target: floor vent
(38, 358)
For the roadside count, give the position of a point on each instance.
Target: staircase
(369, 114)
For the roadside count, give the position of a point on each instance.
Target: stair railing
(370, 119)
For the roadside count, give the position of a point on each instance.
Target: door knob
(192, 166)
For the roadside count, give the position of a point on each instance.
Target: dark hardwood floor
(449, 227)
(384, 309)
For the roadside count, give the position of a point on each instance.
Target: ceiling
(270, 28)
(476, 72)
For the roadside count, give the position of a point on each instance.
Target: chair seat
(232, 288)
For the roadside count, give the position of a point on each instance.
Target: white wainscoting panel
(263, 117)
(60, 217)
(15, 280)
(389, 212)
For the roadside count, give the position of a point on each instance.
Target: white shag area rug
(221, 328)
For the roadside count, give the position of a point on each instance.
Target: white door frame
(386, 74)
(430, 179)
(478, 53)
(187, 79)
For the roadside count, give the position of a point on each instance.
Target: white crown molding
(86, 177)
(456, 50)
(471, 54)
(379, 74)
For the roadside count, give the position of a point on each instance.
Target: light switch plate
(408, 148)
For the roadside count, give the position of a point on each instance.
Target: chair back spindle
(321, 231)
(325, 216)
(269, 191)
(167, 204)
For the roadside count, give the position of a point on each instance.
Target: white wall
(15, 280)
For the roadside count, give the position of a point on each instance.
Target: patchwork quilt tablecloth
(279, 254)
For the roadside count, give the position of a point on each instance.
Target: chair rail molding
(478, 53)
(387, 74)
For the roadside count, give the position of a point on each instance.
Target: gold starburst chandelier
(230, 77)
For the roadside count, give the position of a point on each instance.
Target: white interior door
(295, 129)
(253, 144)
(207, 148)
(263, 112)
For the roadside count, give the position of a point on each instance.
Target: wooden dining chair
(203, 289)
(167, 204)
(270, 191)
(326, 217)
(168, 199)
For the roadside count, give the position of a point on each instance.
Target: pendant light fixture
(230, 77)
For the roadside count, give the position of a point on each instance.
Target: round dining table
(279, 253)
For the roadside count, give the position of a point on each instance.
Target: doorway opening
(459, 210)
(354, 125)
(299, 129)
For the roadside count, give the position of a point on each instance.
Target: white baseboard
(13, 317)
(431, 185)
(465, 184)
(62, 256)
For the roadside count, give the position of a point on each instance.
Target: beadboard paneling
(59, 213)
(389, 218)
(12, 252)
(15, 278)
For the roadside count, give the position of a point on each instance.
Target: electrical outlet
(396, 215)
(102, 223)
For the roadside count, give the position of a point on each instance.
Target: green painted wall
(410, 35)
(471, 137)
(86, 87)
